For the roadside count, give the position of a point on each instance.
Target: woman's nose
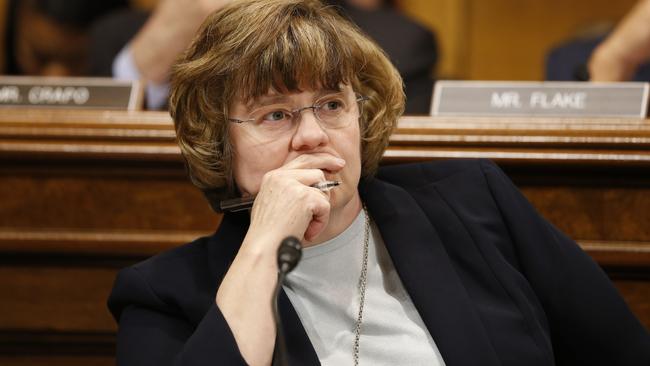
(309, 133)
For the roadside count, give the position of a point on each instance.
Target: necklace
(363, 278)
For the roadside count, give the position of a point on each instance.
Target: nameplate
(558, 99)
(73, 92)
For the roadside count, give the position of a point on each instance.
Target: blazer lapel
(428, 275)
(299, 347)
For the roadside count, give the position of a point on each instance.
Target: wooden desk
(83, 194)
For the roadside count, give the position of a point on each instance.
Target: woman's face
(255, 155)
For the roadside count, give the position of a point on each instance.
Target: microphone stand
(280, 352)
(289, 254)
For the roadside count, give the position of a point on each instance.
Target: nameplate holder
(540, 99)
(70, 93)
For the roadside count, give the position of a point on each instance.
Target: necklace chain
(363, 278)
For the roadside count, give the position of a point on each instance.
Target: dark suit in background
(411, 47)
(494, 283)
(568, 61)
(109, 35)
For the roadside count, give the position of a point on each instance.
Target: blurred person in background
(620, 55)
(137, 46)
(50, 37)
(411, 47)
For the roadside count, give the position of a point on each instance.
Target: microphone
(289, 254)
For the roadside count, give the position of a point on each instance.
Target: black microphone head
(289, 254)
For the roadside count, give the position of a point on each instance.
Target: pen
(244, 203)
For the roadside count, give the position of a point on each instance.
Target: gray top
(323, 289)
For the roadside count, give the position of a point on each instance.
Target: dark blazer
(494, 283)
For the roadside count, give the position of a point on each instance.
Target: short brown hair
(250, 46)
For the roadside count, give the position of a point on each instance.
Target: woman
(424, 264)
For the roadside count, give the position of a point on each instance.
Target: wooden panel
(85, 193)
(637, 296)
(593, 213)
(103, 202)
(68, 295)
(54, 297)
(93, 243)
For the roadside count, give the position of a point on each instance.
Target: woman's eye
(332, 105)
(275, 116)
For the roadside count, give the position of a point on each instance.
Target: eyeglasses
(332, 111)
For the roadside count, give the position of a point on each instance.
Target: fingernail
(340, 161)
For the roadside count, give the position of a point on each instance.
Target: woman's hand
(285, 205)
